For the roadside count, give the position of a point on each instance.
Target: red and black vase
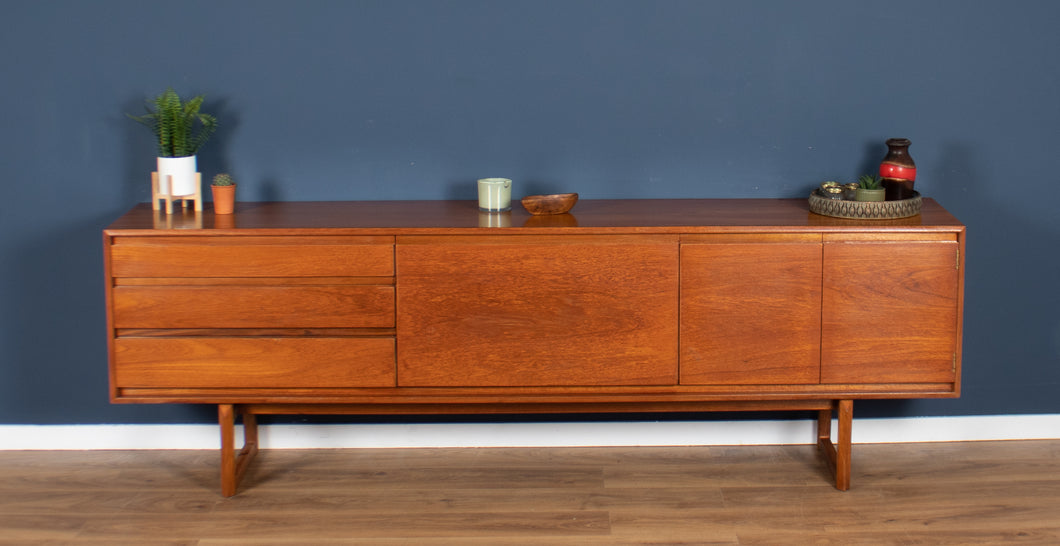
(898, 170)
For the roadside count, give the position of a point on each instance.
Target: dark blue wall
(332, 100)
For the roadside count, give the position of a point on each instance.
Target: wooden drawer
(294, 256)
(329, 306)
(208, 362)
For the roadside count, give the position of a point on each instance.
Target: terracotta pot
(224, 199)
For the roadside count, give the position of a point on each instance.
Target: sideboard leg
(226, 418)
(842, 464)
(233, 466)
(837, 454)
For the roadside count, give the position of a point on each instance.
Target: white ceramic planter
(182, 170)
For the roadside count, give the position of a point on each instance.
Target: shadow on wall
(467, 189)
(1009, 321)
(54, 326)
(875, 151)
(142, 148)
(140, 153)
(56, 371)
(56, 367)
(1011, 338)
(54, 331)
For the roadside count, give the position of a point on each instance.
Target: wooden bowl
(557, 203)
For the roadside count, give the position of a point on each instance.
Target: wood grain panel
(254, 362)
(890, 312)
(200, 256)
(750, 313)
(583, 312)
(594, 216)
(346, 306)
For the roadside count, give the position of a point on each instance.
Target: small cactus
(869, 182)
(223, 179)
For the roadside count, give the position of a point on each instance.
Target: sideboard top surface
(462, 217)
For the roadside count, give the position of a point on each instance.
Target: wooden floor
(948, 493)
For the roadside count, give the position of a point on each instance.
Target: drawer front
(340, 306)
(197, 256)
(253, 362)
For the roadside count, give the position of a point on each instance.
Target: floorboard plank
(964, 493)
(408, 524)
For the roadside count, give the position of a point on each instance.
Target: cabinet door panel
(890, 312)
(534, 311)
(750, 313)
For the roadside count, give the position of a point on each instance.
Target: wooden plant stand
(157, 195)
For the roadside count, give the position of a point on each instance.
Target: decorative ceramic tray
(865, 210)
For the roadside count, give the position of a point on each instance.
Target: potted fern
(869, 188)
(224, 194)
(181, 130)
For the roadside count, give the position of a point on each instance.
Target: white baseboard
(578, 434)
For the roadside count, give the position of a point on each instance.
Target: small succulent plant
(869, 182)
(223, 179)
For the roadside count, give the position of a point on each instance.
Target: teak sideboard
(431, 307)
